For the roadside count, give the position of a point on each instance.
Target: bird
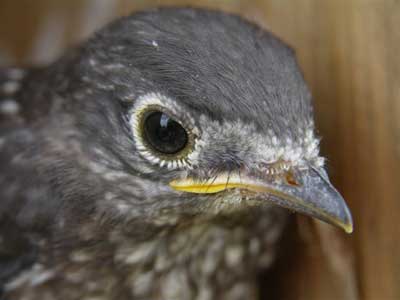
(159, 159)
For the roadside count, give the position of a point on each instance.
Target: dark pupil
(164, 134)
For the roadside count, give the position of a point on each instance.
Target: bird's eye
(163, 134)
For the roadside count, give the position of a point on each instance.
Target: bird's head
(194, 112)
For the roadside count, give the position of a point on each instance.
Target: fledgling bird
(156, 161)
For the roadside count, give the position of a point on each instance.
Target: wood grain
(349, 51)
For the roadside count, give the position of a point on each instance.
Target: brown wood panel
(349, 51)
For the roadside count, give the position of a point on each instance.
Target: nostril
(281, 171)
(291, 179)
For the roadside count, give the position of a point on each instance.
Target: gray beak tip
(347, 223)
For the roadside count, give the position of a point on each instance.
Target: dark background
(350, 53)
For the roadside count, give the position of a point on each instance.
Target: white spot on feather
(176, 285)
(234, 255)
(143, 284)
(42, 277)
(10, 87)
(9, 107)
(79, 256)
(123, 207)
(33, 277)
(205, 293)
(135, 254)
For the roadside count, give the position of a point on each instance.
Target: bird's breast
(206, 260)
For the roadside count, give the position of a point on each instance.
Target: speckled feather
(85, 214)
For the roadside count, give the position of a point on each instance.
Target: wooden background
(350, 53)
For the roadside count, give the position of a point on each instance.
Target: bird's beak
(308, 192)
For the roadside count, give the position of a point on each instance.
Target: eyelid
(154, 108)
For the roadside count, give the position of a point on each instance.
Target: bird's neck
(216, 259)
(205, 260)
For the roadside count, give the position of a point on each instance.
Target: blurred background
(349, 52)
